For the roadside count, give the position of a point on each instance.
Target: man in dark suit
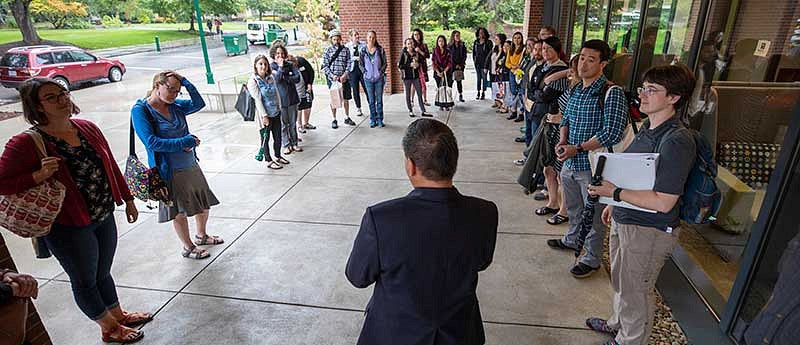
(424, 251)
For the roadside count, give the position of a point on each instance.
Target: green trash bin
(271, 36)
(235, 44)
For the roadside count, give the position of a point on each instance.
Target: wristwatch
(617, 193)
(580, 148)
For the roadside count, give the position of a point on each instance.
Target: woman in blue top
(286, 76)
(160, 122)
(373, 67)
(264, 91)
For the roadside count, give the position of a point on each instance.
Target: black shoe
(349, 121)
(519, 139)
(582, 270)
(478, 97)
(426, 115)
(461, 98)
(558, 244)
(511, 116)
(483, 95)
(519, 118)
(334, 124)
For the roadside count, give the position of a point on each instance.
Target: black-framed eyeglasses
(172, 89)
(56, 98)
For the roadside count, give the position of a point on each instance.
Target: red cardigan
(20, 160)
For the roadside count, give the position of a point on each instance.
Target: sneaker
(381, 124)
(519, 118)
(334, 124)
(427, 115)
(519, 162)
(349, 121)
(411, 114)
(541, 195)
(599, 325)
(372, 124)
(519, 139)
(511, 116)
(558, 244)
(582, 270)
(359, 112)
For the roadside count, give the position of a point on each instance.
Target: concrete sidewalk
(279, 277)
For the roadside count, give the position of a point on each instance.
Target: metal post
(295, 33)
(209, 75)
(158, 45)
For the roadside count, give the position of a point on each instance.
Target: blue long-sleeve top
(165, 139)
(286, 77)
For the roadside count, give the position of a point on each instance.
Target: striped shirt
(336, 68)
(585, 119)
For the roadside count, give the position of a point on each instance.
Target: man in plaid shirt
(335, 69)
(586, 127)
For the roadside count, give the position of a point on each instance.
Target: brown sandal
(126, 335)
(135, 319)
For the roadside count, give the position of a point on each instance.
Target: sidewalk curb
(150, 47)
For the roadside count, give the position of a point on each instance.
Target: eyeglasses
(649, 91)
(57, 98)
(171, 89)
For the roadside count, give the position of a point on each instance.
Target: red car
(67, 65)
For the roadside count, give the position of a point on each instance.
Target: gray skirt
(190, 195)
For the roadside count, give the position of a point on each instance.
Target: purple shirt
(372, 65)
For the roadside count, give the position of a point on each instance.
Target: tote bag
(246, 105)
(337, 96)
(31, 213)
(444, 95)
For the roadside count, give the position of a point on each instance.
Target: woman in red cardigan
(84, 236)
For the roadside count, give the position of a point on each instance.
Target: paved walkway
(279, 278)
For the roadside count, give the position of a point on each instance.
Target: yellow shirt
(513, 59)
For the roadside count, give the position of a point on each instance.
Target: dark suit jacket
(424, 252)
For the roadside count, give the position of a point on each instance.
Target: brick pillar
(391, 20)
(532, 18)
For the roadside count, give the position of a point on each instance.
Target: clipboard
(634, 171)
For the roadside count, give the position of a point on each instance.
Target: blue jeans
(482, 78)
(375, 99)
(86, 254)
(531, 126)
(514, 99)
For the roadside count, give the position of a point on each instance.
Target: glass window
(577, 28)
(596, 19)
(668, 33)
(81, 56)
(14, 60)
(62, 57)
(622, 35)
(743, 106)
(254, 27)
(44, 59)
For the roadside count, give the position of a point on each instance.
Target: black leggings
(274, 128)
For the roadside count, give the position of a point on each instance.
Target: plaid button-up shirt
(585, 119)
(339, 66)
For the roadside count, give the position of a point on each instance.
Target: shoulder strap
(38, 141)
(335, 55)
(665, 136)
(132, 143)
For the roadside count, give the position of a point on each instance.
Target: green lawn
(100, 38)
(226, 26)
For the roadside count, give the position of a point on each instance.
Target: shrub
(11, 23)
(78, 23)
(144, 19)
(112, 22)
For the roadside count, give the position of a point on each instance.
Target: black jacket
(459, 55)
(405, 65)
(545, 98)
(481, 53)
(423, 252)
(306, 70)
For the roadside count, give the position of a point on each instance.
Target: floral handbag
(31, 213)
(144, 183)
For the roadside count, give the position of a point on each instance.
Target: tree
(57, 12)
(21, 11)
(183, 10)
(279, 6)
(510, 10)
(319, 17)
(461, 13)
